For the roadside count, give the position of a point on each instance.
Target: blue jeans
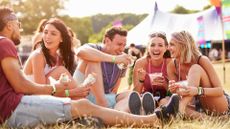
(40, 109)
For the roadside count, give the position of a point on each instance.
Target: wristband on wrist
(54, 89)
(113, 59)
(141, 81)
(200, 91)
(67, 93)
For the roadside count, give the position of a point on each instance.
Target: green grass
(178, 123)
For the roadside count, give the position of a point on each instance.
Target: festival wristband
(67, 93)
(54, 89)
(113, 59)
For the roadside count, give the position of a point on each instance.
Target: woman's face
(157, 48)
(174, 49)
(51, 37)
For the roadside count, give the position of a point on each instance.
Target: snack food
(89, 80)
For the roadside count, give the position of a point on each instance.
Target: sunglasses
(157, 34)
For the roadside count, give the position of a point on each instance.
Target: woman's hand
(187, 91)
(141, 74)
(173, 87)
(80, 92)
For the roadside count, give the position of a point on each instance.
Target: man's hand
(123, 58)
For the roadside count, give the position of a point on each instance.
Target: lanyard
(109, 81)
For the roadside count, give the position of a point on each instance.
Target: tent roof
(170, 22)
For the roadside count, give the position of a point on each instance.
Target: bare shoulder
(204, 59)
(170, 64)
(141, 61)
(37, 56)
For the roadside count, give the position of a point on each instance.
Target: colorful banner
(226, 17)
(201, 31)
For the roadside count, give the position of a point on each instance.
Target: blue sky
(81, 8)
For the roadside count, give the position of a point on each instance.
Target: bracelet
(54, 89)
(113, 59)
(200, 91)
(67, 93)
(141, 81)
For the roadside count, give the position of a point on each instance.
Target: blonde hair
(187, 47)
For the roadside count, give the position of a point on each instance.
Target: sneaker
(148, 103)
(134, 103)
(171, 109)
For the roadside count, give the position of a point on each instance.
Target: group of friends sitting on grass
(60, 83)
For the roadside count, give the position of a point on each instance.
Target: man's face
(15, 35)
(117, 45)
(14, 27)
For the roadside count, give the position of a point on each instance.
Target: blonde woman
(201, 78)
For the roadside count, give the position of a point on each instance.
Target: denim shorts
(111, 99)
(79, 77)
(40, 109)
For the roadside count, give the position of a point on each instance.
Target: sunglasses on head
(156, 34)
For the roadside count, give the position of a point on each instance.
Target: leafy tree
(181, 10)
(207, 7)
(81, 26)
(32, 11)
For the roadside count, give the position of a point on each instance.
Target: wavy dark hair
(65, 48)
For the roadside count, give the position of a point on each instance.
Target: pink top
(157, 91)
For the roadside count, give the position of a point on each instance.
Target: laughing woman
(150, 76)
(201, 79)
(54, 58)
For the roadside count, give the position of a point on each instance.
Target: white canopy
(169, 22)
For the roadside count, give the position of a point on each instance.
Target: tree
(181, 10)
(31, 12)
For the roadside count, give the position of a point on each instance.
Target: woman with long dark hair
(54, 57)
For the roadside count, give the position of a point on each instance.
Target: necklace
(109, 81)
(150, 68)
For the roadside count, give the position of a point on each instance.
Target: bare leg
(110, 116)
(98, 87)
(122, 101)
(198, 77)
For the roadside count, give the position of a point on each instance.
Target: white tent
(169, 22)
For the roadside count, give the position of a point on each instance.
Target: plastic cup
(183, 83)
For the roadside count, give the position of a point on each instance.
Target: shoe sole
(134, 103)
(148, 103)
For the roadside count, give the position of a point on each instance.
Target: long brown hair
(65, 48)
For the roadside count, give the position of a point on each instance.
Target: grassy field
(211, 123)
